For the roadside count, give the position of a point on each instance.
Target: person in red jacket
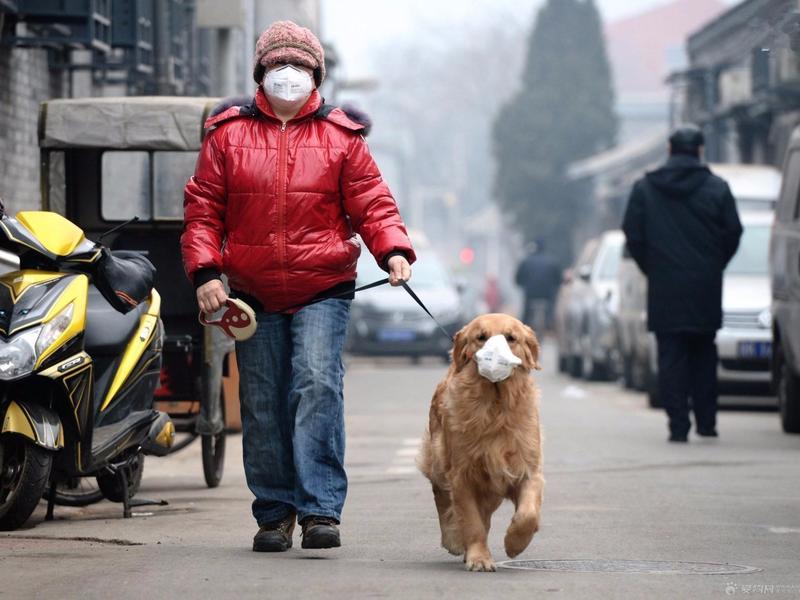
(280, 189)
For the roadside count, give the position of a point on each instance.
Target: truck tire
(788, 395)
(627, 372)
(653, 397)
(575, 366)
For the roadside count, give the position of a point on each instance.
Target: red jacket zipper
(282, 186)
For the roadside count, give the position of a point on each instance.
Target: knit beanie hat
(285, 41)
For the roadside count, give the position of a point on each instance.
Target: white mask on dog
(495, 360)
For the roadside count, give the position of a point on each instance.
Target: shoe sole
(271, 546)
(321, 541)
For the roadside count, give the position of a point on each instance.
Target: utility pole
(249, 45)
(162, 50)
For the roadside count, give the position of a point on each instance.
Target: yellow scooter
(80, 355)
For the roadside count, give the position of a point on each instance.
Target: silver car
(785, 275)
(586, 311)
(744, 343)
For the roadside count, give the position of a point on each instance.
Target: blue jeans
(291, 393)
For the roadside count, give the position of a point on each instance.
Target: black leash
(374, 284)
(425, 308)
(369, 286)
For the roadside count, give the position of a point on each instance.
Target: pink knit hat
(285, 41)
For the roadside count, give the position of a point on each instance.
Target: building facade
(80, 48)
(743, 82)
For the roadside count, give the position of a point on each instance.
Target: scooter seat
(108, 330)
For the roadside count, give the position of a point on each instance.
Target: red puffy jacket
(276, 206)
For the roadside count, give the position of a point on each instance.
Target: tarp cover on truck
(140, 122)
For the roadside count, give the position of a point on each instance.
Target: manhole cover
(652, 567)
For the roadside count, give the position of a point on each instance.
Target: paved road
(615, 490)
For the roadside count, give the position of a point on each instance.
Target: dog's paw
(520, 533)
(514, 546)
(480, 561)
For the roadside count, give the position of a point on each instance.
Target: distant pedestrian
(492, 295)
(539, 277)
(682, 228)
(282, 185)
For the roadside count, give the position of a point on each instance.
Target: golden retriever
(483, 445)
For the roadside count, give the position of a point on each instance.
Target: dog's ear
(531, 350)
(460, 358)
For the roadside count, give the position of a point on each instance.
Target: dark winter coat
(682, 228)
(539, 276)
(276, 207)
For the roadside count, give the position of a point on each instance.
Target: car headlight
(765, 319)
(18, 355)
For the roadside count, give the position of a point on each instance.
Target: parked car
(567, 310)
(755, 187)
(743, 343)
(635, 341)
(386, 320)
(784, 256)
(588, 334)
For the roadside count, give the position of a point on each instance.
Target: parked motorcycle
(80, 355)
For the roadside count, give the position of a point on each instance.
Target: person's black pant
(687, 368)
(530, 316)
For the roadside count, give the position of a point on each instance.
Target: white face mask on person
(495, 360)
(288, 83)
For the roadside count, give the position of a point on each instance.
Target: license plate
(396, 335)
(755, 349)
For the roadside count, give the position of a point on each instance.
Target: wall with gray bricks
(25, 81)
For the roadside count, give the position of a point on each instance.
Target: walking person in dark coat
(539, 277)
(682, 228)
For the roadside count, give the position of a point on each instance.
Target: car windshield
(426, 272)
(752, 256)
(609, 261)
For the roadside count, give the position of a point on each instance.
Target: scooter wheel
(213, 447)
(213, 458)
(24, 473)
(111, 486)
(81, 491)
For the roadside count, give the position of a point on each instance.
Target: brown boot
(320, 532)
(275, 536)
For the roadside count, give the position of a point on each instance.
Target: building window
(759, 65)
(125, 185)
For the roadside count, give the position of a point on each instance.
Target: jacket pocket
(350, 250)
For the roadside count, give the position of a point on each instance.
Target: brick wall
(25, 81)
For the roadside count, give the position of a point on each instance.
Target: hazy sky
(356, 26)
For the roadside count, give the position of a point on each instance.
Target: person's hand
(211, 296)
(399, 270)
